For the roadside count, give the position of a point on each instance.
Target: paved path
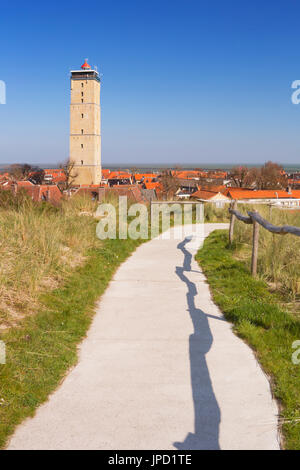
(159, 369)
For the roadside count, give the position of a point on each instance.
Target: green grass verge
(260, 320)
(44, 346)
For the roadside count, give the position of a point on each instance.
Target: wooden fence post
(256, 220)
(270, 210)
(255, 248)
(232, 219)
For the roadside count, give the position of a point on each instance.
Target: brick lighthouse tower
(85, 119)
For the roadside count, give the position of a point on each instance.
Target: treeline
(269, 176)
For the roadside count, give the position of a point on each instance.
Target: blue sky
(187, 82)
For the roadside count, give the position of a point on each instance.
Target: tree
(20, 171)
(134, 170)
(169, 183)
(242, 176)
(69, 168)
(271, 176)
(37, 176)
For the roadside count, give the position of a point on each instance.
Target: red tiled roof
(42, 192)
(262, 194)
(119, 175)
(217, 189)
(199, 174)
(134, 193)
(189, 174)
(146, 176)
(6, 184)
(52, 171)
(89, 186)
(105, 173)
(58, 174)
(123, 186)
(152, 185)
(206, 194)
(23, 184)
(218, 174)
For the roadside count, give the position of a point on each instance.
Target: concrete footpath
(160, 368)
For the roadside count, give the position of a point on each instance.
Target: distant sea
(289, 168)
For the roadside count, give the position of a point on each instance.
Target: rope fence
(254, 218)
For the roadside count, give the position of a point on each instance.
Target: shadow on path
(207, 412)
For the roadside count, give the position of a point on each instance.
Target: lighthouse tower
(85, 119)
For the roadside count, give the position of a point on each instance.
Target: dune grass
(260, 319)
(56, 271)
(278, 256)
(53, 269)
(213, 214)
(39, 245)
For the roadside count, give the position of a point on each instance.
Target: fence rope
(254, 218)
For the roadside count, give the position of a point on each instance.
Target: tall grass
(53, 269)
(279, 255)
(262, 321)
(39, 244)
(43, 347)
(215, 214)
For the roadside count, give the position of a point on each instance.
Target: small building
(280, 198)
(38, 192)
(218, 199)
(186, 185)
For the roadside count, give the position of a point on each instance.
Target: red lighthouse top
(85, 65)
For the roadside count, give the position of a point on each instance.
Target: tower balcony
(85, 75)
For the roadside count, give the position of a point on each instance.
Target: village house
(54, 176)
(145, 177)
(288, 198)
(221, 195)
(217, 198)
(39, 192)
(186, 187)
(116, 178)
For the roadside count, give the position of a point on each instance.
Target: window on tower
(81, 131)
(82, 93)
(82, 146)
(82, 116)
